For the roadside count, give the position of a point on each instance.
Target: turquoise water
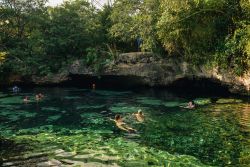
(74, 124)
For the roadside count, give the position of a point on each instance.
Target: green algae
(125, 108)
(35, 130)
(165, 139)
(124, 152)
(53, 118)
(150, 101)
(50, 109)
(172, 104)
(111, 93)
(79, 107)
(72, 97)
(202, 101)
(221, 101)
(11, 100)
(2, 95)
(92, 118)
(75, 90)
(15, 115)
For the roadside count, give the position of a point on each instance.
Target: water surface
(74, 124)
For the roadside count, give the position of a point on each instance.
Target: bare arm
(122, 128)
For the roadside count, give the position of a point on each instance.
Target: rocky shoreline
(151, 70)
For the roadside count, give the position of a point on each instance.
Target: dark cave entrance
(199, 86)
(193, 86)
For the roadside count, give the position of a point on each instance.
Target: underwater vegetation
(75, 128)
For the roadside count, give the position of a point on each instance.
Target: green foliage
(97, 58)
(41, 40)
(236, 51)
(91, 56)
(132, 19)
(201, 32)
(196, 29)
(2, 57)
(193, 28)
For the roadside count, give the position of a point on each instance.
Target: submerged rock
(107, 158)
(84, 156)
(52, 162)
(66, 154)
(89, 164)
(59, 151)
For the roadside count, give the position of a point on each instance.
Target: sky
(58, 2)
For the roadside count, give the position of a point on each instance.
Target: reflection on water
(74, 124)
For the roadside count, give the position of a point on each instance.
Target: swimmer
(26, 99)
(139, 116)
(39, 96)
(15, 89)
(93, 86)
(190, 105)
(122, 125)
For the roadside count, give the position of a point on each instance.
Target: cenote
(72, 126)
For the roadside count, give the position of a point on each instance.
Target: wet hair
(117, 117)
(192, 102)
(140, 112)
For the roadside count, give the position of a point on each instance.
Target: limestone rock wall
(156, 71)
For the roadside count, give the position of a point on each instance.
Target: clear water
(74, 124)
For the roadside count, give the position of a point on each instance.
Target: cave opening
(199, 86)
(106, 82)
(193, 86)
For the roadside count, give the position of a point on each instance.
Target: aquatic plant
(149, 101)
(80, 131)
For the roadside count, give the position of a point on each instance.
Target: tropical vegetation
(36, 39)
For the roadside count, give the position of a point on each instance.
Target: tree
(133, 19)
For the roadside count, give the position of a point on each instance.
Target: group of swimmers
(140, 118)
(118, 119)
(38, 97)
(123, 126)
(26, 99)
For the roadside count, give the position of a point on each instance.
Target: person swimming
(139, 116)
(26, 99)
(122, 125)
(190, 105)
(93, 86)
(39, 96)
(15, 89)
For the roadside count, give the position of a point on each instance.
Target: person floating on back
(122, 125)
(26, 99)
(139, 116)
